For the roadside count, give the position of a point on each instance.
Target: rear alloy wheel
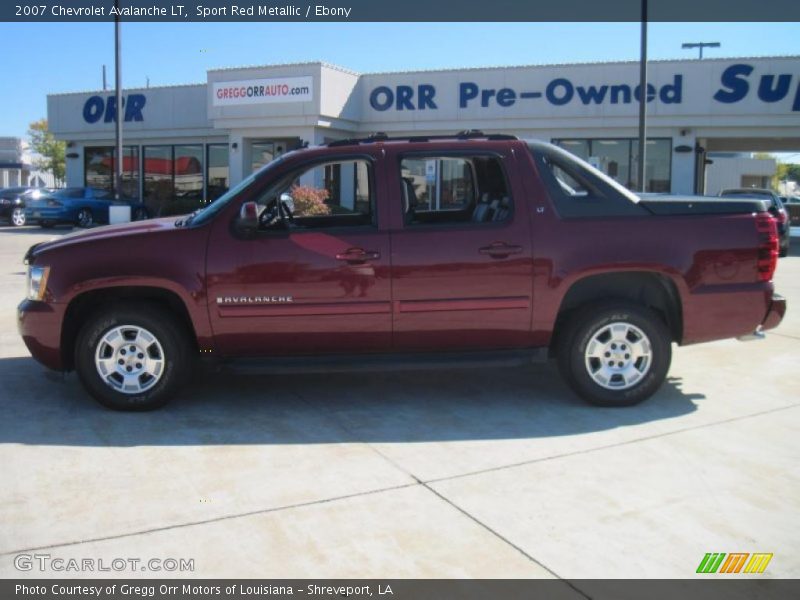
(85, 218)
(18, 217)
(616, 354)
(133, 358)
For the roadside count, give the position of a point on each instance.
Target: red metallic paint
(424, 288)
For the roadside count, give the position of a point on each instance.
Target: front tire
(615, 354)
(133, 358)
(18, 217)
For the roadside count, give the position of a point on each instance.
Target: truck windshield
(209, 212)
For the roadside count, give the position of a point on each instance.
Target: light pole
(643, 99)
(118, 96)
(700, 46)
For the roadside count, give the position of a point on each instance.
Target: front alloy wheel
(18, 217)
(133, 357)
(129, 359)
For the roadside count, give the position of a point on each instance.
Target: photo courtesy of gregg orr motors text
(190, 589)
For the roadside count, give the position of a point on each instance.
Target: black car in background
(776, 208)
(12, 203)
(792, 205)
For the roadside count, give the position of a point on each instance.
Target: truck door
(313, 279)
(461, 251)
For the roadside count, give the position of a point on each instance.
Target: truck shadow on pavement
(394, 407)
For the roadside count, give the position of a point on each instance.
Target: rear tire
(133, 358)
(85, 218)
(615, 353)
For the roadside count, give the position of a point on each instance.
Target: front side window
(451, 190)
(330, 194)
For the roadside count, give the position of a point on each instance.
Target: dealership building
(187, 144)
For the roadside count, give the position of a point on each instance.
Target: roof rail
(467, 134)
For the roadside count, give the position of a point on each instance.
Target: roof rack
(467, 134)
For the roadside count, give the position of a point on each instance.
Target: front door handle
(358, 255)
(500, 250)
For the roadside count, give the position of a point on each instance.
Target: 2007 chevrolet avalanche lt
(420, 251)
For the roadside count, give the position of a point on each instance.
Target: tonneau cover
(701, 205)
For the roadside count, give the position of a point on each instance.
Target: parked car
(776, 209)
(792, 205)
(12, 203)
(81, 206)
(470, 250)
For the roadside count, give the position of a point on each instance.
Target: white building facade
(185, 145)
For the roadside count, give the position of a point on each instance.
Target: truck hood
(103, 233)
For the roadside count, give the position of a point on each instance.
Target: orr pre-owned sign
(739, 82)
(262, 91)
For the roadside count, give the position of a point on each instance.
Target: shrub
(309, 201)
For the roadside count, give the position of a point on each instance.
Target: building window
(618, 158)
(188, 166)
(263, 152)
(99, 169)
(158, 186)
(218, 171)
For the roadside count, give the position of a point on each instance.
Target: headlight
(37, 282)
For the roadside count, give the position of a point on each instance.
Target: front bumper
(39, 324)
(775, 312)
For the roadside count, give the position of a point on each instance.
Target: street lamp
(700, 46)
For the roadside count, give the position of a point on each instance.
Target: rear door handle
(500, 250)
(358, 255)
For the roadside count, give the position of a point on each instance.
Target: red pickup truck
(416, 252)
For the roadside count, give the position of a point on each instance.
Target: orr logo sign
(97, 108)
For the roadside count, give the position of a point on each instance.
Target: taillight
(767, 246)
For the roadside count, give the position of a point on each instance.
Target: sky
(67, 57)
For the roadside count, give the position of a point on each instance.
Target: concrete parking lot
(480, 473)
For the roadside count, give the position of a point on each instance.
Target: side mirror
(288, 201)
(247, 222)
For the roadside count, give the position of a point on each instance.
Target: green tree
(51, 151)
(790, 171)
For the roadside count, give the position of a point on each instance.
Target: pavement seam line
(343, 426)
(230, 517)
(609, 446)
(501, 537)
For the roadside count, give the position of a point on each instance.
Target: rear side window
(453, 190)
(578, 190)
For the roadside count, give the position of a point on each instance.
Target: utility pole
(118, 84)
(643, 100)
(700, 46)
(105, 85)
